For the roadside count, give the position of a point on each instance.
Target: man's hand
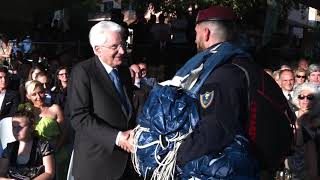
(125, 141)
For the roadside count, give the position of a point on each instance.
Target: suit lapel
(103, 77)
(108, 85)
(125, 85)
(5, 100)
(129, 114)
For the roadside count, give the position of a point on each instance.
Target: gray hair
(313, 68)
(98, 33)
(302, 87)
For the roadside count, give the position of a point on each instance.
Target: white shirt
(108, 68)
(286, 94)
(2, 94)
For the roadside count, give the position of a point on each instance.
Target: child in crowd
(29, 157)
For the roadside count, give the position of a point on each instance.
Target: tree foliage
(240, 6)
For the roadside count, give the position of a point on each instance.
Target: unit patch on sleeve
(206, 99)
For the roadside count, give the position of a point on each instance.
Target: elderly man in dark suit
(9, 100)
(100, 108)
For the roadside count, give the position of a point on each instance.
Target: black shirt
(40, 149)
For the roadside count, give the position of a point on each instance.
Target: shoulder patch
(206, 99)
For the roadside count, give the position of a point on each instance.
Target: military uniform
(220, 134)
(223, 110)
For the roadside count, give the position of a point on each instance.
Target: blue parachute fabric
(166, 112)
(170, 111)
(235, 162)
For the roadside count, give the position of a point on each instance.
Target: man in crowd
(136, 75)
(43, 79)
(99, 100)
(145, 80)
(140, 91)
(223, 96)
(303, 63)
(9, 100)
(287, 83)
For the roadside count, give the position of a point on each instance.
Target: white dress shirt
(286, 94)
(2, 94)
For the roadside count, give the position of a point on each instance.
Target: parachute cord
(137, 132)
(166, 167)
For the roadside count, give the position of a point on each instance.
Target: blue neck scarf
(211, 58)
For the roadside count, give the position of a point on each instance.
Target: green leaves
(26, 107)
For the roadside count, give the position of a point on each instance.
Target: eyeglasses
(309, 97)
(298, 76)
(116, 46)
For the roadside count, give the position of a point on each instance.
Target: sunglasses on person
(298, 76)
(309, 97)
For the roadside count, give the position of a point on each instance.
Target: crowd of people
(301, 87)
(92, 111)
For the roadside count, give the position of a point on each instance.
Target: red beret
(216, 13)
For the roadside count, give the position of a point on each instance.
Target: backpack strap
(248, 82)
(248, 92)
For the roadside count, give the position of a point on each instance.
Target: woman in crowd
(31, 76)
(303, 96)
(59, 92)
(300, 76)
(49, 124)
(29, 157)
(304, 162)
(60, 87)
(33, 72)
(314, 74)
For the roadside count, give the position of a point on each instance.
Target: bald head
(286, 80)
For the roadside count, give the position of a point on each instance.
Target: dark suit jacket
(138, 99)
(97, 116)
(140, 95)
(10, 104)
